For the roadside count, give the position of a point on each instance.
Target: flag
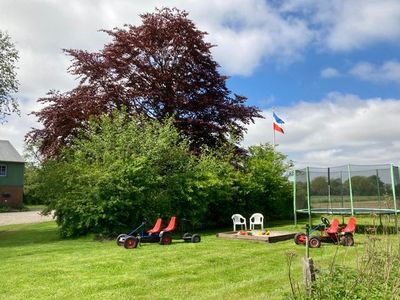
(278, 122)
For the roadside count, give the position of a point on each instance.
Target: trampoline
(347, 190)
(347, 211)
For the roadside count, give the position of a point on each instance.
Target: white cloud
(245, 32)
(329, 73)
(387, 72)
(338, 130)
(356, 24)
(345, 25)
(248, 32)
(17, 126)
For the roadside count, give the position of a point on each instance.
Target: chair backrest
(171, 225)
(351, 226)
(157, 227)
(237, 218)
(334, 228)
(257, 218)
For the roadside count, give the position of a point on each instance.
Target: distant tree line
(363, 186)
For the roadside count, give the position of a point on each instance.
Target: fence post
(350, 190)
(308, 266)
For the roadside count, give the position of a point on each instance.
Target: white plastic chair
(238, 219)
(256, 219)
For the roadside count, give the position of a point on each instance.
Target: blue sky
(276, 85)
(330, 69)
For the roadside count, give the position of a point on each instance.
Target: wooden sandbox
(272, 237)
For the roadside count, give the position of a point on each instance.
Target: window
(3, 170)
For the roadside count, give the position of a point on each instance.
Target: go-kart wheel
(120, 243)
(348, 240)
(130, 242)
(166, 240)
(187, 236)
(195, 238)
(325, 221)
(300, 238)
(314, 242)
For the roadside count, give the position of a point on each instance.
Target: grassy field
(37, 264)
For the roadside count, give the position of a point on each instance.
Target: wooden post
(309, 274)
(308, 266)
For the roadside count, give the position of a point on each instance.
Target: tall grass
(374, 272)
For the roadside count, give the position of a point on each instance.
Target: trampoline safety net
(350, 189)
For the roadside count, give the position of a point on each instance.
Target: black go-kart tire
(131, 242)
(314, 242)
(118, 239)
(166, 240)
(300, 238)
(195, 238)
(348, 240)
(187, 237)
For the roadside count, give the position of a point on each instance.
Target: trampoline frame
(351, 211)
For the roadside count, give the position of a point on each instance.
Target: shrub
(122, 170)
(31, 184)
(265, 186)
(116, 174)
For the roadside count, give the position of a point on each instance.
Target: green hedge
(123, 170)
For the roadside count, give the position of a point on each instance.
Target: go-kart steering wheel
(325, 221)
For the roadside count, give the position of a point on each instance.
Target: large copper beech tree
(160, 68)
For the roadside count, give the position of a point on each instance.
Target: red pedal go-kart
(329, 233)
(154, 235)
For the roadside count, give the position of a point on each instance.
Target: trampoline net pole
(378, 185)
(341, 193)
(294, 198)
(394, 195)
(329, 190)
(379, 189)
(350, 190)
(308, 195)
(341, 188)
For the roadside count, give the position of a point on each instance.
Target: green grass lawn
(29, 207)
(35, 206)
(36, 264)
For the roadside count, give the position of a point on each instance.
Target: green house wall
(15, 174)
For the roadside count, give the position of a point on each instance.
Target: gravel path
(23, 217)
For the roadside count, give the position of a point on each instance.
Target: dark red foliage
(160, 68)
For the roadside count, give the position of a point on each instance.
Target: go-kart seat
(171, 225)
(351, 226)
(156, 228)
(334, 228)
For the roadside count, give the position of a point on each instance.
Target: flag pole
(276, 126)
(273, 139)
(273, 130)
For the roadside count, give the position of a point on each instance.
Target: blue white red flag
(277, 124)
